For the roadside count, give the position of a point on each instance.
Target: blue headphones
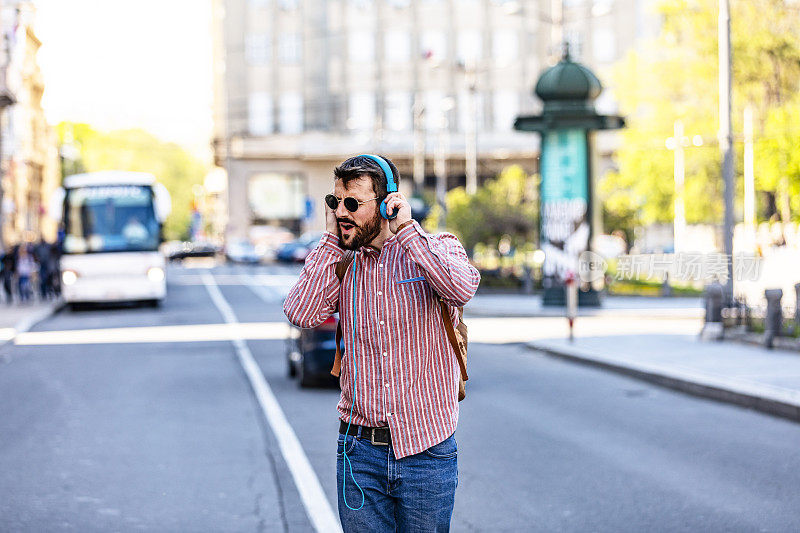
(391, 186)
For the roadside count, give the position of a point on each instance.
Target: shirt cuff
(330, 243)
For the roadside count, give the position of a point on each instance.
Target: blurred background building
(29, 162)
(299, 85)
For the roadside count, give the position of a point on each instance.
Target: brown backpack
(456, 335)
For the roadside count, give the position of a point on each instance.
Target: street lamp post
(726, 136)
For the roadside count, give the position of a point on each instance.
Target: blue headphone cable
(346, 460)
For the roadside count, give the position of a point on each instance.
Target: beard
(362, 235)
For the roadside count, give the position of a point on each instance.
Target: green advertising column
(568, 90)
(565, 219)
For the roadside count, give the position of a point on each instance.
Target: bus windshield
(110, 218)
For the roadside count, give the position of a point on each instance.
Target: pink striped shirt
(407, 371)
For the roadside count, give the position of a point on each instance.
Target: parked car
(297, 250)
(242, 251)
(310, 353)
(267, 240)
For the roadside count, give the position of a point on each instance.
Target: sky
(129, 64)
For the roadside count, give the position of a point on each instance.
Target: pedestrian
(41, 253)
(9, 263)
(25, 269)
(397, 454)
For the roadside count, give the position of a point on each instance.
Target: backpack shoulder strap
(341, 268)
(451, 336)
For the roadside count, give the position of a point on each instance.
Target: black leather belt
(378, 436)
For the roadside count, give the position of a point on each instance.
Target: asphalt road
(151, 430)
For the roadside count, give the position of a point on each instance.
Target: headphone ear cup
(386, 215)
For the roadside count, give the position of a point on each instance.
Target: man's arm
(444, 261)
(315, 296)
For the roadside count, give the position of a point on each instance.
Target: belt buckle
(372, 438)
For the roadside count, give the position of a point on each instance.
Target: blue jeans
(415, 493)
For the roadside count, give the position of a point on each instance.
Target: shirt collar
(388, 242)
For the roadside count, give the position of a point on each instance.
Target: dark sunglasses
(350, 203)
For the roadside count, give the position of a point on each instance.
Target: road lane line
(319, 510)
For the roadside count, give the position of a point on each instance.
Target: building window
(470, 112)
(288, 5)
(290, 49)
(291, 113)
(275, 196)
(601, 8)
(259, 113)
(505, 46)
(361, 46)
(505, 108)
(361, 112)
(433, 109)
(604, 45)
(398, 46)
(257, 49)
(469, 46)
(398, 111)
(433, 45)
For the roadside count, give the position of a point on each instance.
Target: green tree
(675, 78)
(504, 206)
(139, 151)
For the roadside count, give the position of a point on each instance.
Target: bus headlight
(155, 274)
(68, 277)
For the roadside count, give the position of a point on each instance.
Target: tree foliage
(504, 206)
(139, 151)
(676, 78)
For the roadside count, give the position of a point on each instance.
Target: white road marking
(182, 333)
(319, 510)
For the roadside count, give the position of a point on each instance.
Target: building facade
(435, 85)
(29, 161)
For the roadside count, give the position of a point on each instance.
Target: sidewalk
(531, 305)
(633, 336)
(18, 318)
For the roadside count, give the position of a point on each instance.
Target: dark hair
(359, 166)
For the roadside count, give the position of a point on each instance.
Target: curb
(775, 401)
(26, 324)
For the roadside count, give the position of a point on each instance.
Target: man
(399, 372)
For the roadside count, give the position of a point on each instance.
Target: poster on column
(564, 201)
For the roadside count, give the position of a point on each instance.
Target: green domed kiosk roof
(568, 86)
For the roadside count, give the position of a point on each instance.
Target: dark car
(310, 353)
(193, 249)
(297, 250)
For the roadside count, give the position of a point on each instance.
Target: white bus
(112, 224)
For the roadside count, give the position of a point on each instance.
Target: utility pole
(419, 144)
(440, 161)
(726, 136)
(471, 131)
(677, 143)
(679, 224)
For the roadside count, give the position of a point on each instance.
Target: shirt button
(384, 354)
(388, 414)
(387, 385)
(380, 293)
(381, 322)
(380, 265)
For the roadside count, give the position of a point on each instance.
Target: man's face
(359, 228)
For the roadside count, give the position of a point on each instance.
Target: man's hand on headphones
(396, 203)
